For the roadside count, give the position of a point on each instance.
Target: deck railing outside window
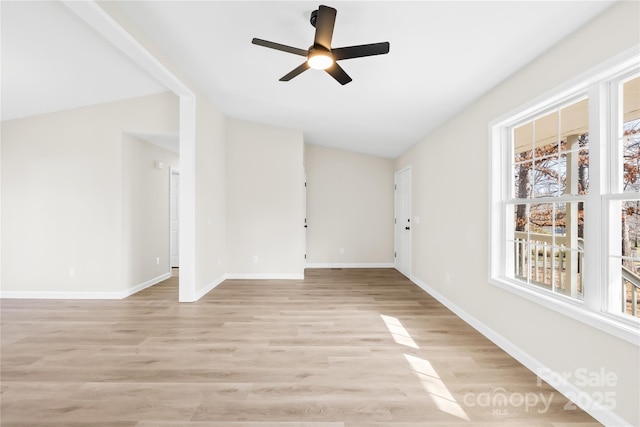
(539, 260)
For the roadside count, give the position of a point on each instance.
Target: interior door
(174, 218)
(402, 221)
(304, 214)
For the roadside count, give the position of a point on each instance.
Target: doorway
(402, 221)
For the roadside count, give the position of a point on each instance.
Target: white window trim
(592, 310)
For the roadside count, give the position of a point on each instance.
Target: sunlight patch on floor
(432, 383)
(398, 332)
(425, 372)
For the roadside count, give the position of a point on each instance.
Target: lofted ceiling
(443, 56)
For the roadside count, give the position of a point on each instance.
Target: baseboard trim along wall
(59, 295)
(84, 295)
(145, 285)
(583, 400)
(349, 265)
(265, 276)
(202, 292)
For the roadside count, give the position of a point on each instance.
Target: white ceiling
(53, 61)
(443, 55)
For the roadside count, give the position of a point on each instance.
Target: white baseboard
(202, 292)
(145, 285)
(585, 401)
(349, 265)
(265, 276)
(84, 295)
(59, 295)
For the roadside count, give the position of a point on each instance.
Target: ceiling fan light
(320, 60)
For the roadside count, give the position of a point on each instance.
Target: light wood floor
(343, 348)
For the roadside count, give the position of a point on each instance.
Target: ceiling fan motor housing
(314, 18)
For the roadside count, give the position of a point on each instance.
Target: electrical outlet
(72, 272)
(255, 258)
(157, 260)
(341, 251)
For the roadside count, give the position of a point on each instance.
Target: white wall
(145, 211)
(264, 200)
(450, 193)
(62, 206)
(349, 206)
(210, 189)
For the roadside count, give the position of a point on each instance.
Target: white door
(403, 221)
(304, 214)
(174, 218)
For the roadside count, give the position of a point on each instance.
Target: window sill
(626, 329)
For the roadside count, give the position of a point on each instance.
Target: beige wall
(145, 210)
(450, 194)
(62, 199)
(349, 206)
(202, 171)
(264, 200)
(210, 215)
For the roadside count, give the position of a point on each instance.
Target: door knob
(406, 228)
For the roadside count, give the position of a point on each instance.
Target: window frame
(594, 308)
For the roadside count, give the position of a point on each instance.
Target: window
(550, 168)
(565, 199)
(624, 199)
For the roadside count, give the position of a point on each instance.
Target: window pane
(546, 176)
(569, 223)
(630, 209)
(568, 236)
(523, 142)
(523, 161)
(630, 218)
(541, 218)
(630, 282)
(521, 220)
(574, 119)
(567, 272)
(545, 130)
(521, 259)
(574, 128)
(583, 166)
(625, 261)
(631, 157)
(630, 138)
(522, 173)
(573, 165)
(548, 246)
(521, 253)
(551, 154)
(631, 100)
(540, 260)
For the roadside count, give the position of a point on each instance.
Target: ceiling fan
(321, 56)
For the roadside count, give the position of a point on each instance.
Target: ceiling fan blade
(302, 67)
(339, 74)
(360, 51)
(325, 21)
(278, 46)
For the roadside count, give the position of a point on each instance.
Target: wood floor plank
(342, 348)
